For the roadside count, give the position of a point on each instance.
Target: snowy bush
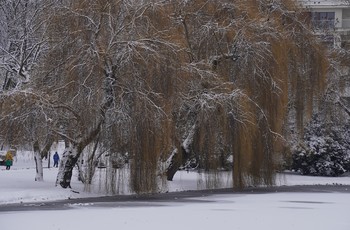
(324, 152)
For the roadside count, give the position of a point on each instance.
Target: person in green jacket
(8, 160)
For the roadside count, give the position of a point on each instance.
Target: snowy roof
(325, 3)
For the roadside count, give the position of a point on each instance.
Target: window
(323, 20)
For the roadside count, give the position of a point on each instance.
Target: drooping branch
(341, 103)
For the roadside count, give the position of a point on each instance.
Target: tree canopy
(164, 81)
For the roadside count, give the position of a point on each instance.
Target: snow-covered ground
(236, 211)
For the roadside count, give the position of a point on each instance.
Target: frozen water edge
(286, 210)
(18, 185)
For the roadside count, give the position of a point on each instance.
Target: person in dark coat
(56, 158)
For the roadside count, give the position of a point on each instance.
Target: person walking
(56, 158)
(8, 160)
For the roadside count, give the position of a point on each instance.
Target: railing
(331, 24)
(323, 24)
(323, 2)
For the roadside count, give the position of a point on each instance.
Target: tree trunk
(48, 160)
(38, 162)
(69, 159)
(81, 176)
(179, 158)
(38, 157)
(91, 163)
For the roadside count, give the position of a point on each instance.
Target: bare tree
(23, 40)
(22, 45)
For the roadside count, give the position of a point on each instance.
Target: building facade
(330, 19)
